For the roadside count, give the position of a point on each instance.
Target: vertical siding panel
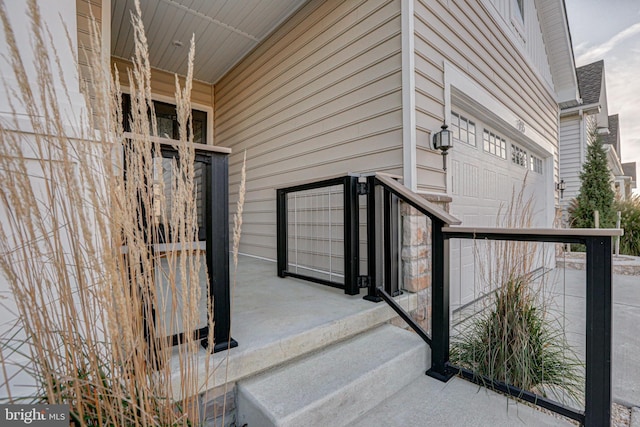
(570, 165)
(321, 96)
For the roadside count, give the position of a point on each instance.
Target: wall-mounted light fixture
(561, 186)
(443, 141)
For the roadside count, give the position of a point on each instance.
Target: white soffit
(557, 39)
(225, 31)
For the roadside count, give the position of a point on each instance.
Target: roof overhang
(224, 31)
(581, 109)
(613, 161)
(557, 38)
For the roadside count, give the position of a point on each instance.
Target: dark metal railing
(214, 202)
(217, 238)
(382, 216)
(350, 223)
(598, 244)
(598, 284)
(439, 269)
(383, 194)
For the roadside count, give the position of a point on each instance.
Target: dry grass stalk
(80, 237)
(513, 339)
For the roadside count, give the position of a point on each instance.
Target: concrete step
(429, 402)
(337, 385)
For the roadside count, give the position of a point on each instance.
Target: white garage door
(483, 179)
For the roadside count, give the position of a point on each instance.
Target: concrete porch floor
(276, 320)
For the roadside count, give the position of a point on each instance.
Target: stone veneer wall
(416, 263)
(216, 404)
(622, 264)
(416, 259)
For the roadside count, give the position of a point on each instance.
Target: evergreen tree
(596, 192)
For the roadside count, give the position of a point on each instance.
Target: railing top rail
(416, 201)
(585, 232)
(315, 184)
(548, 234)
(176, 144)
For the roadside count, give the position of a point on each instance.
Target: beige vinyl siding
(530, 40)
(164, 84)
(429, 165)
(85, 9)
(466, 35)
(320, 97)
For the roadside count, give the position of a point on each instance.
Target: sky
(610, 30)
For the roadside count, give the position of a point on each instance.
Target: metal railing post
(218, 250)
(598, 347)
(351, 240)
(439, 304)
(372, 252)
(390, 243)
(281, 231)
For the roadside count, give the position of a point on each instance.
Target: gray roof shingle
(629, 169)
(612, 138)
(590, 81)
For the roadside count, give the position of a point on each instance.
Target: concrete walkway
(570, 292)
(428, 402)
(626, 340)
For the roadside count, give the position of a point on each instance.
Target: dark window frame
(167, 110)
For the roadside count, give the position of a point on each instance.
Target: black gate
(324, 231)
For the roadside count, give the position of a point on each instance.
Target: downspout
(582, 137)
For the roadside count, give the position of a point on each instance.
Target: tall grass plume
(513, 339)
(85, 206)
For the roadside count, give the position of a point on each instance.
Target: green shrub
(630, 222)
(596, 193)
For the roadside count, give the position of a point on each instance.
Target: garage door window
(518, 156)
(463, 129)
(535, 164)
(494, 144)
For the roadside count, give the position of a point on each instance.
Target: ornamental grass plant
(77, 242)
(513, 338)
(630, 223)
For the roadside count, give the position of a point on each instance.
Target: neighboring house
(630, 171)
(575, 120)
(574, 124)
(311, 89)
(622, 178)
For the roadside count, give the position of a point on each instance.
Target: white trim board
(461, 87)
(409, 149)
